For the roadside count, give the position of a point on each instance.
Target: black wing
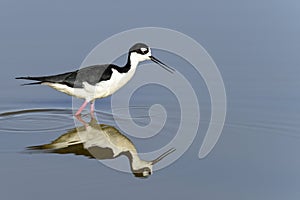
(92, 74)
(94, 152)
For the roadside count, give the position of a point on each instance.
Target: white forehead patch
(143, 49)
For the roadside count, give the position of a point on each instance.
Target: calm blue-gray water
(255, 45)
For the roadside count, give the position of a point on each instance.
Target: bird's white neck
(134, 60)
(137, 162)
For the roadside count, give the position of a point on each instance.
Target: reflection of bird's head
(143, 172)
(143, 169)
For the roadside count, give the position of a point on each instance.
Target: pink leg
(81, 108)
(92, 108)
(82, 121)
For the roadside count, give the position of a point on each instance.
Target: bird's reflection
(100, 141)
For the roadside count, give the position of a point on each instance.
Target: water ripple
(36, 120)
(48, 119)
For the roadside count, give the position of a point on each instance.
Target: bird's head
(143, 169)
(141, 52)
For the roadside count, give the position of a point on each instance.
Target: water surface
(255, 44)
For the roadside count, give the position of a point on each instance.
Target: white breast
(116, 81)
(98, 138)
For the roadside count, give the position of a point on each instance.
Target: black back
(92, 75)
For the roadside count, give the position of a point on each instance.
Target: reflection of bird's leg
(78, 117)
(81, 108)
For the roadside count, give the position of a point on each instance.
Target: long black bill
(166, 67)
(163, 156)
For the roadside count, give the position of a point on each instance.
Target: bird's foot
(92, 109)
(79, 118)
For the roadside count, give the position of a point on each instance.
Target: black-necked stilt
(98, 81)
(101, 142)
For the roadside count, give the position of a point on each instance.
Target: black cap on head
(139, 48)
(142, 173)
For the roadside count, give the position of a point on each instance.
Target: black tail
(39, 79)
(66, 78)
(33, 83)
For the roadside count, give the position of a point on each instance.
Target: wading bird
(98, 81)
